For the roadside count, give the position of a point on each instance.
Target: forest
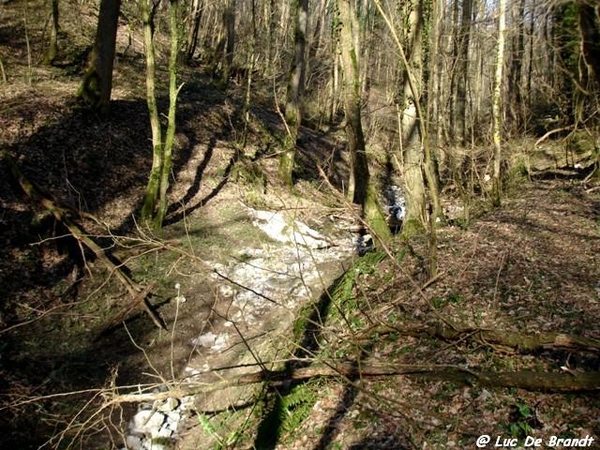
(304, 224)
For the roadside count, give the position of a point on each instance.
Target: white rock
(192, 371)
(278, 228)
(205, 340)
(133, 442)
(147, 421)
(173, 417)
(221, 342)
(169, 405)
(226, 290)
(163, 433)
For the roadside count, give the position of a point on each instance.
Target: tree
(497, 105)
(589, 25)
(96, 86)
(418, 162)
(460, 76)
(229, 42)
(517, 53)
(52, 51)
(155, 201)
(360, 189)
(194, 18)
(295, 91)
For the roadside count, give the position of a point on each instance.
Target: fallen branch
(128, 310)
(550, 133)
(534, 381)
(63, 215)
(524, 342)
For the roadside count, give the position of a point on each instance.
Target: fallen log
(523, 342)
(64, 214)
(350, 371)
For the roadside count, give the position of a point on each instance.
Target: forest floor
(531, 266)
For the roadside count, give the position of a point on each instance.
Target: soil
(532, 265)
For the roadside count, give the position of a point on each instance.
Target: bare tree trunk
(195, 17)
(435, 72)
(590, 35)
(363, 193)
(155, 201)
(96, 86)
(152, 190)
(412, 136)
(271, 38)
(229, 24)
(334, 87)
(295, 92)
(515, 100)
(414, 141)
(531, 53)
(170, 138)
(462, 73)
(318, 31)
(497, 105)
(52, 52)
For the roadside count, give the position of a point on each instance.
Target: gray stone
(147, 421)
(169, 405)
(133, 442)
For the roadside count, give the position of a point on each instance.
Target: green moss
(412, 227)
(89, 90)
(375, 218)
(250, 173)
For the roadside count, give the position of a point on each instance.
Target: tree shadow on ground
(318, 150)
(270, 427)
(96, 165)
(390, 442)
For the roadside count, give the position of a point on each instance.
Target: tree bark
(522, 342)
(195, 17)
(515, 96)
(497, 105)
(52, 52)
(152, 189)
(295, 93)
(229, 24)
(533, 381)
(96, 86)
(349, 55)
(590, 35)
(155, 202)
(359, 190)
(462, 69)
(171, 122)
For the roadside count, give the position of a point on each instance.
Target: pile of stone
(155, 425)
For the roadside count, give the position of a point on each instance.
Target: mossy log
(524, 342)
(64, 214)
